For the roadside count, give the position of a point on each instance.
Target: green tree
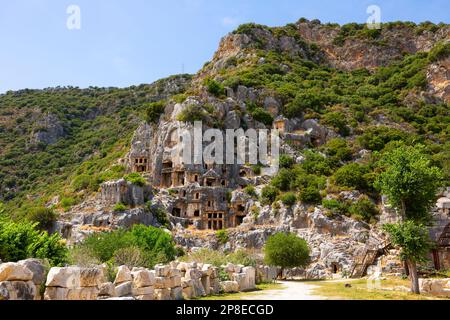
(286, 251)
(411, 183)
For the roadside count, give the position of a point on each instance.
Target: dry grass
(390, 289)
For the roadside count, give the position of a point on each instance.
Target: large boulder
(123, 275)
(15, 272)
(68, 277)
(229, 286)
(143, 278)
(18, 290)
(37, 268)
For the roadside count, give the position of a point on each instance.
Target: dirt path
(290, 290)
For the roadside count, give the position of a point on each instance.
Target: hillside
(343, 96)
(49, 137)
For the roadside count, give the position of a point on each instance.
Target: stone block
(14, 272)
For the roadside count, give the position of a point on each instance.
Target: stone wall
(176, 281)
(436, 287)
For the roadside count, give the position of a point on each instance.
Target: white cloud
(229, 22)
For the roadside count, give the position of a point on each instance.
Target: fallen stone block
(229, 286)
(18, 290)
(14, 272)
(162, 294)
(64, 278)
(124, 289)
(176, 293)
(123, 275)
(143, 278)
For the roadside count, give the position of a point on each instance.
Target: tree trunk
(412, 266)
(405, 265)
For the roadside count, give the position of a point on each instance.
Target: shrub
(439, 52)
(67, 203)
(192, 113)
(283, 180)
(335, 206)
(338, 121)
(310, 195)
(286, 162)
(289, 199)
(286, 251)
(120, 207)
(257, 169)
(154, 111)
(222, 236)
(45, 217)
(218, 259)
(19, 241)
(131, 257)
(352, 176)
(83, 182)
(364, 209)
(154, 245)
(159, 213)
(261, 115)
(251, 191)
(215, 87)
(136, 179)
(269, 194)
(338, 148)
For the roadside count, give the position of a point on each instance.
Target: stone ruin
(175, 281)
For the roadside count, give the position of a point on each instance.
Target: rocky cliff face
(392, 43)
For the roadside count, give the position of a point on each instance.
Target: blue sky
(128, 42)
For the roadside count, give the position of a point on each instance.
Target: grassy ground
(364, 290)
(238, 296)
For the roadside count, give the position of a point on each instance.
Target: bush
(339, 149)
(215, 87)
(364, 209)
(310, 195)
(222, 236)
(154, 111)
(440, 51)
(83, 182)
(269, 194)
(136, 179)
(288, 199)
(159, 213)
(337, 120)
(154, 245)
(283, 180)
(120, 207)
(192, 113)
(352, 176)
(286, 251)
(19, 241)
(45, 217)
(335, 206)
(286, 162)
(218, 259)
(261, 115)
(251, 191)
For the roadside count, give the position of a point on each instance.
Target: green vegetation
(411, 184)
(286, 251)
(120, 207)
(19, 241)
(136, 179)
(97, 124)
(222, 236)
(139, 247)
(288, 199)
(218, 259)
(214, 87)
(251, 191)
(154, 111)
(44, 217)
